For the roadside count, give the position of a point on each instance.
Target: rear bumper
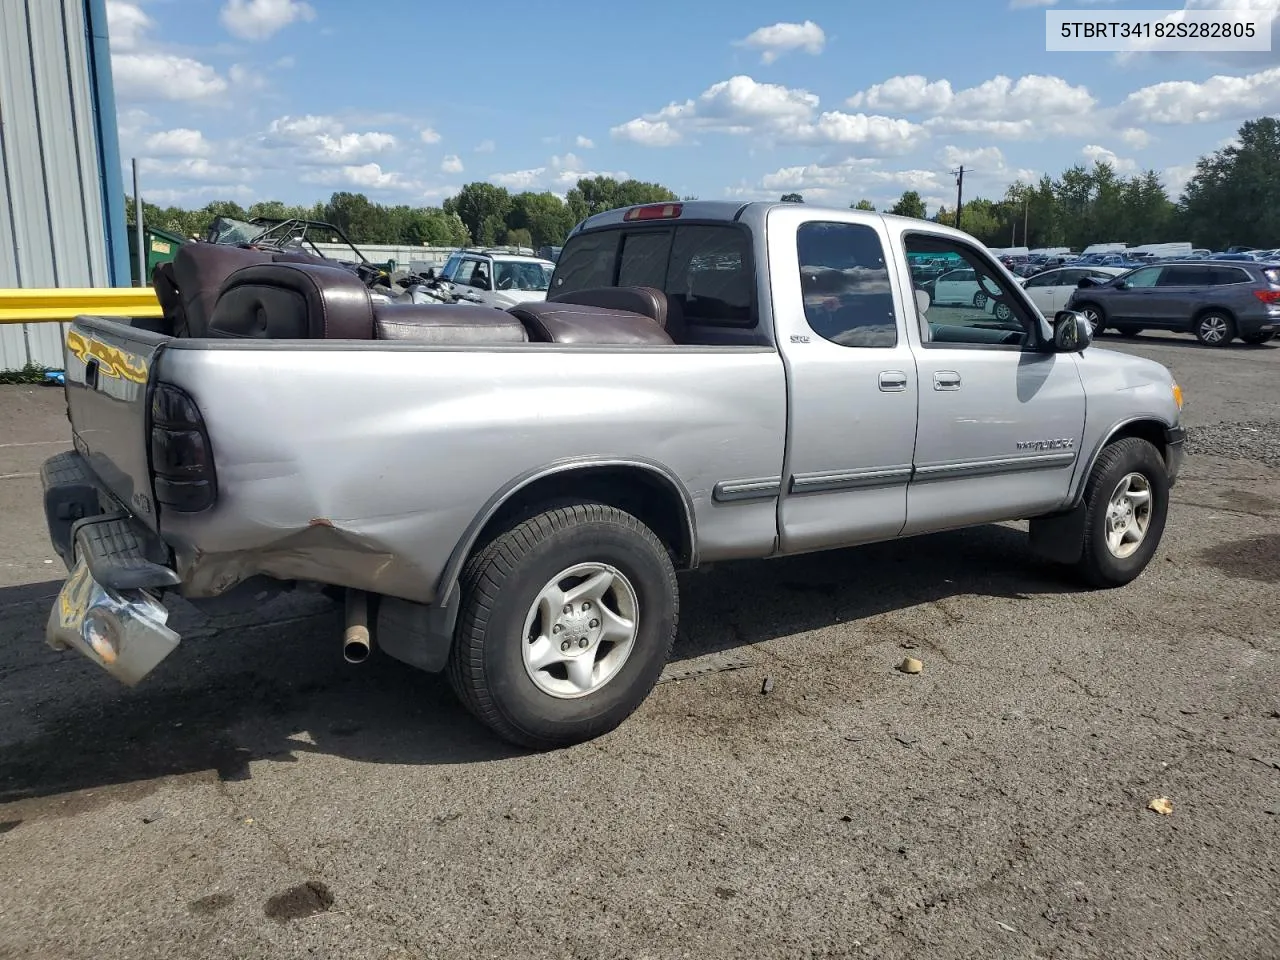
(105, 610)
(1175, 439)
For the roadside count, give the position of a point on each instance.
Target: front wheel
(1126, 503)
(980, 300)
(567, 622)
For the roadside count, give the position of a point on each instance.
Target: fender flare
(422, 635)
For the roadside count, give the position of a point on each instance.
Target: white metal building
(62, 215)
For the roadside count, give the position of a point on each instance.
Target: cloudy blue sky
(839, 100)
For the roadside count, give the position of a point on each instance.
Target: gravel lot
(258, 797)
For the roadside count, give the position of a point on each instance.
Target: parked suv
(500, 279)
(1217, 301)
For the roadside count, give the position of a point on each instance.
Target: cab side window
(1051, 279)
(848, 298)
(975, 304)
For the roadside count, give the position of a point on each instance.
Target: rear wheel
(1126, 503)
(1214, 329)
(567, 622)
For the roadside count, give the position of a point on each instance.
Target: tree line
(480, 213)
(1232, 198)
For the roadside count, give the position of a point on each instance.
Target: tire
(1214, 328)
(1136, 463)
(1003, 311)
(1093, 313)
(1257, 339)
(501, 586)
(980, 300)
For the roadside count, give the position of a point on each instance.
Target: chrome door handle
(946, 380)
(893, 381)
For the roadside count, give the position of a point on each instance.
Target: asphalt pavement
(259, 797)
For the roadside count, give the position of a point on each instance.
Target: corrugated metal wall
(52, 225)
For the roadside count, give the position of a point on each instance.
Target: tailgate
(108, 363)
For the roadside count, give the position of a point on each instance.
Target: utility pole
(1026, 215)
(140, 243)
(959, 194)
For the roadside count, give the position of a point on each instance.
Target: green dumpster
(160, 246)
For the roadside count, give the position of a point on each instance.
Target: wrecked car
(508, 495)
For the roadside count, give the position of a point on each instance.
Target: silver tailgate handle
(893, 381)
(946, 380)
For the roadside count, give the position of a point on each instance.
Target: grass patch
(31, 373)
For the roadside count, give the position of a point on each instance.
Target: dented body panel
(366, 468)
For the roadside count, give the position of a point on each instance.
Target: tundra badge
(1065, 443)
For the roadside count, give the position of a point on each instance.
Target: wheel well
(1150, 430)
(1195, 317)
(646, 494)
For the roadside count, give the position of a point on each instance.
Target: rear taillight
(181, 455)
(1268, 296)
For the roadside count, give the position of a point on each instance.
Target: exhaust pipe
(356, 644)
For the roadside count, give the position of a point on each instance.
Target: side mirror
(1072, 332)
(1122, 284)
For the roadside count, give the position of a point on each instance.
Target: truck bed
(366, 464)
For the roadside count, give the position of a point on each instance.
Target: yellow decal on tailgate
(112, 361)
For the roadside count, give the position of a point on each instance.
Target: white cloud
(246, 78)
(1031, 107)
(367, 176)
(647, 133)
(1095, 154)
(1218, 98)
(194, 169)
(126, 24)
(486, 146)
(180, 142)
(196, 196)
(451, 164)
(162, 76)
(743, 106)
(323, 140)
(559, 174)
(987, 173)
(429, 135)
(583, 143)
(782, 38)
(261, 19)
(1176, 177)
(1135, 137)
(907, 94)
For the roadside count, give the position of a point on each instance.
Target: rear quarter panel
(365, 465)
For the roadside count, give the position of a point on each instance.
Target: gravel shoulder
(260, 798)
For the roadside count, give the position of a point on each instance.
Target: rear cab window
(706, 270)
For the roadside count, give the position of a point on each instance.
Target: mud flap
(1060, 537)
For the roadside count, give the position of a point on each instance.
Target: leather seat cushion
(560, 322)
(447, 323)
(287, 301)
(647, 301)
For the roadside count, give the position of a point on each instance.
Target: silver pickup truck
(507, 495)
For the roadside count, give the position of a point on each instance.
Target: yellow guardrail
(60, 304)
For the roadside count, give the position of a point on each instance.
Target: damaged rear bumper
(106, 609)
